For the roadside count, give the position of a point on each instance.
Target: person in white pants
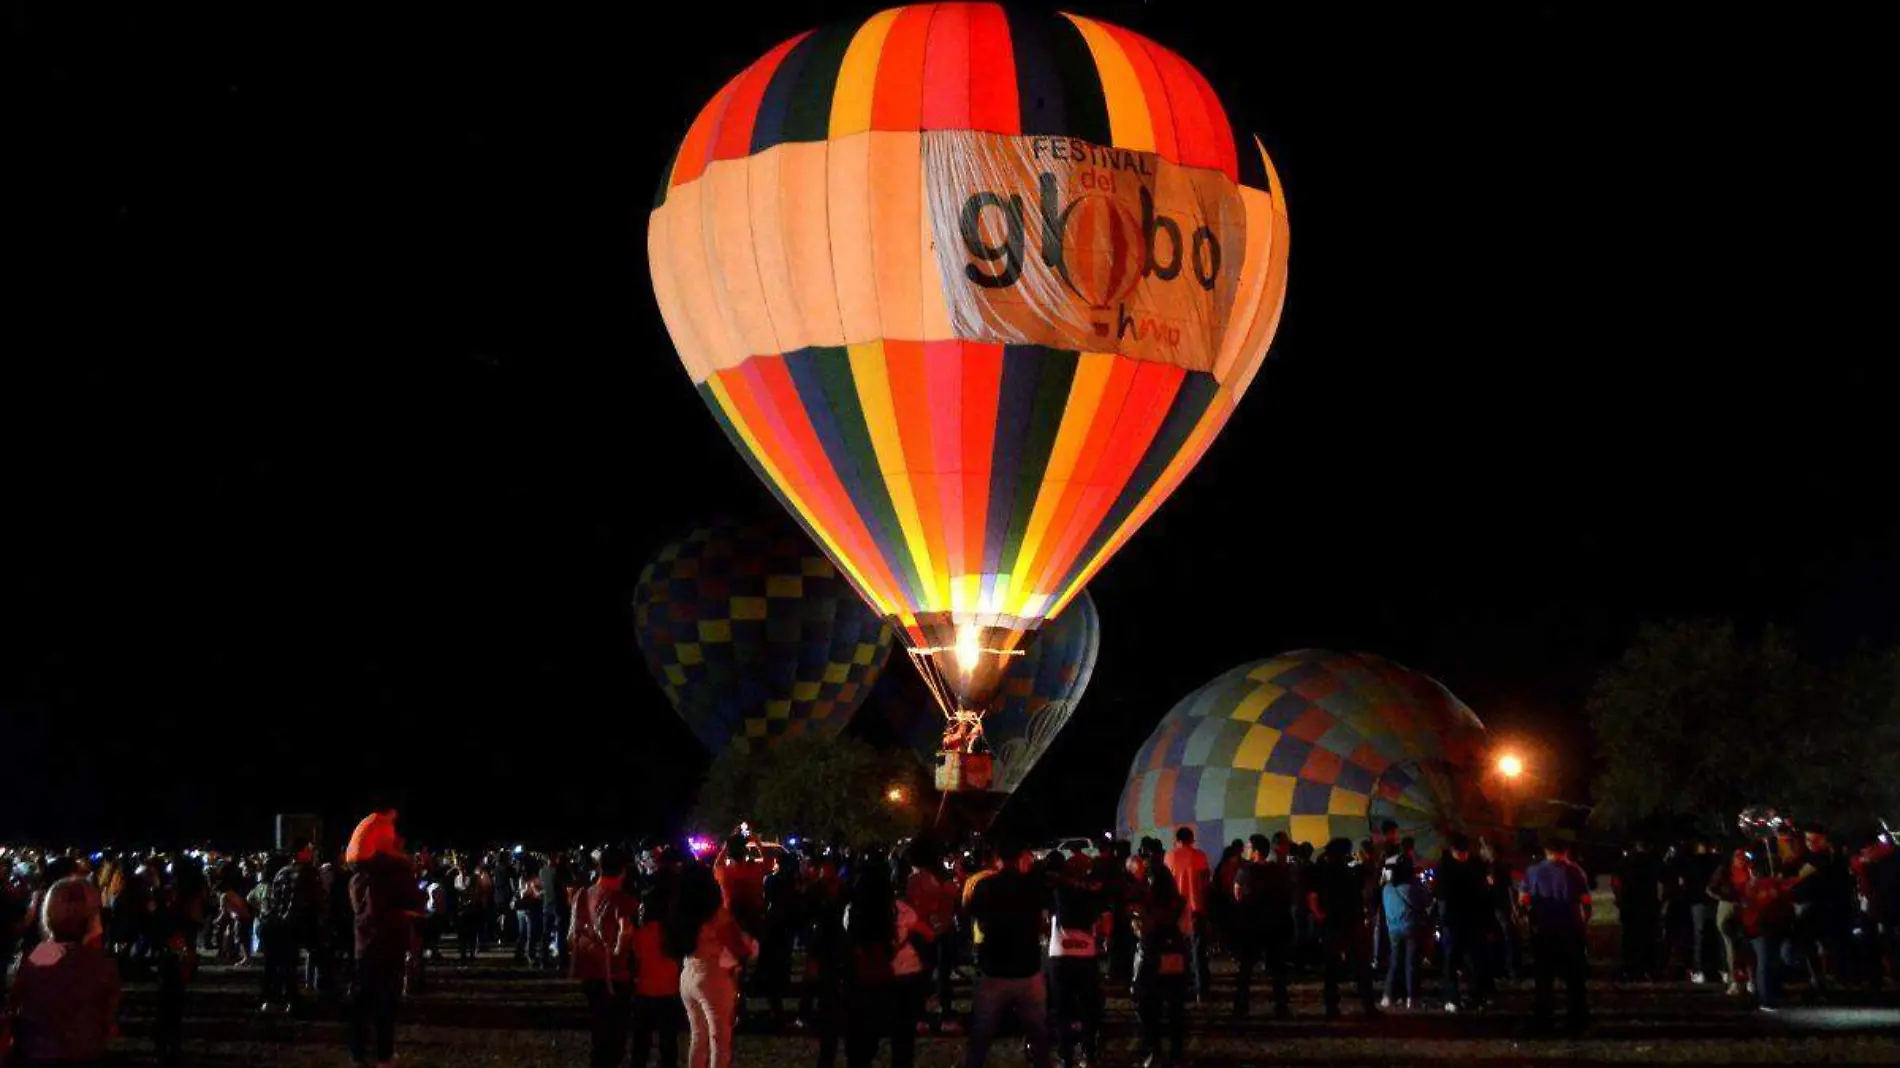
(701, 932)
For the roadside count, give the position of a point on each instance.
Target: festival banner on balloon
(1060, 242)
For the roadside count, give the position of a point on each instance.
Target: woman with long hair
(701, 933)
(883, 996)
(1161, 966)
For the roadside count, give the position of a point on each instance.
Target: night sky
(339, 417)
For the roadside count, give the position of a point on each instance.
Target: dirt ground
(492, 1014)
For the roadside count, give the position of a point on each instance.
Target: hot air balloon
(753, 634)
(1039, 694)
(972, 289)
(1318, 744)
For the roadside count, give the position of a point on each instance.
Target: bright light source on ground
(1511, 766)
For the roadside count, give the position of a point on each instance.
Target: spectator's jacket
(296, 901)
(386, 901)
(1408, 909)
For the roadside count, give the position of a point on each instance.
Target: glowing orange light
(895, 795)
(1510, 766)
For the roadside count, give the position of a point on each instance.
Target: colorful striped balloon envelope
(972, 289)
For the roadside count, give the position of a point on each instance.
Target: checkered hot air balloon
(1039, 694)
(754, 635)
(972, 289)
(1318, 744)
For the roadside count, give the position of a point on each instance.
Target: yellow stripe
(882, 601)
(868, 370)
(1085, 395)
(1130, 123)
(857, 77)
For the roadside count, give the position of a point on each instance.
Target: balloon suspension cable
(933, 678)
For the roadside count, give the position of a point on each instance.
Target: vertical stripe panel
(696, 150)
(994, 104)
(943, 376)
(808, 102)
(1115, 450)
(1129, 123)
(897, 225)
(857, 76)
(946, 83)
(870, 369)
(1154, 95)
(853, 257)
(899, 100)
(732, 139)
(982, 367)
(775, 103)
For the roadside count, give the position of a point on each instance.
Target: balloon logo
(972, 289)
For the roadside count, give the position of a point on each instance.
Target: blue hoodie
(1408, 908)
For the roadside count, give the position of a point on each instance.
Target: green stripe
(833, 367)
(1052, 400)
(808, 116)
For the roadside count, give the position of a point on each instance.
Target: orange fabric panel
(765, 205)
(805, 229)
(853, 259)
(896, 220)
(734, 253)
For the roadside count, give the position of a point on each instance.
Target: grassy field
(492, 1014)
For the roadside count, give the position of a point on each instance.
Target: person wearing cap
(1557, 898)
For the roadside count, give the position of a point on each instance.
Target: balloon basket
(958, 772)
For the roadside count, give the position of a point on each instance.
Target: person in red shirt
(1193, 877)
(741, 880)
(658, 1012)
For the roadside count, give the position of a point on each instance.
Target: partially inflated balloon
(972, 289)
(1320, 745)
(1039, 694)
(753, 634)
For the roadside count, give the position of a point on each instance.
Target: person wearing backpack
(600, 949)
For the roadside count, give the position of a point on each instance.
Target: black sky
(339, 416)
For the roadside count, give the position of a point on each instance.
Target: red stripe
(992, 72)
(768, 400)
(696, 150)
(1196, 141)
(943, 373)
(1160, 111)
(1217, 115)
(899, 100)
(947, 81)
(982, 389)
(733, 138)
(1117, 449)
(910, 407)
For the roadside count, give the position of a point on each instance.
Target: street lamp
(1510, 766)
(895, 795)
